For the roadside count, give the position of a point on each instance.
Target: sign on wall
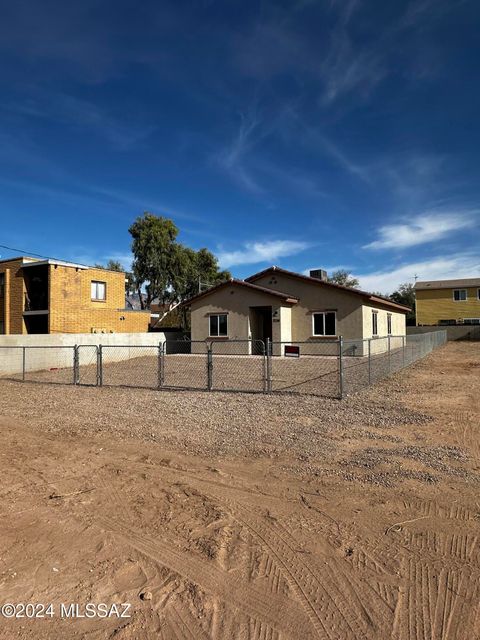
(291, 351)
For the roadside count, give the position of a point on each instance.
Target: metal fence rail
(326, 368)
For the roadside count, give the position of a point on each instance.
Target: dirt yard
(243, 516)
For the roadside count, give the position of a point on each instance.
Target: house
(52, 296)
(445, 302)
(287, 307)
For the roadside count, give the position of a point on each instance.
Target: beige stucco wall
(236, 301)
(313, 297)
(295, 321)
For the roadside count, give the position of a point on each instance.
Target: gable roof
(371, 297)
(447, 284)
(242, 283)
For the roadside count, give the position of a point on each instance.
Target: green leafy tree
(343, 277)
(405, 294)
(114, 265)
(166, 269)
(154, 250)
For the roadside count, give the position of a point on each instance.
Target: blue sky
(330, 133)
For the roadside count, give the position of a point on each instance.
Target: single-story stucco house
(288, 307)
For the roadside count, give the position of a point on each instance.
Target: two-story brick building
(52, 296)
(448, 302)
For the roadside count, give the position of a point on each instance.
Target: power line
(27, 253)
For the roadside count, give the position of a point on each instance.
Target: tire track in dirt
(335, 603)
(435, 603)
(460, 547)
(277, 612)
(334, 612)
(432, 509)
(184, 625)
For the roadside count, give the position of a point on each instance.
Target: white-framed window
(98, 290)
(374, 323)
(478, 294)
(324, 323)
(459, 295)
(471, 321)
(389, 324)
(218, 325)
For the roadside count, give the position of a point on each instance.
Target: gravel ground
(212, 423)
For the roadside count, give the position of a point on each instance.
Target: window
(389, 324)
(374, 323)
(98, 290)
(218, 325)
(2, 327)
(459, 295)
(324, 323)
(471, 321)
(2, 285)
(478, 294)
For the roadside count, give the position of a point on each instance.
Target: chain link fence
(327, 368)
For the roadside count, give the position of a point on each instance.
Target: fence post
(24, 357)
(265, 373)
(160, 365)
(340, 367)
(369, 361)
(76, 373)
(209, 368)
(99, 366)
(269, 366)
(389, 357)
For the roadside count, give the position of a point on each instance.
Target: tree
(166, 269)
(343, 277)
(154, 250)
(112, 265)
(405, 294)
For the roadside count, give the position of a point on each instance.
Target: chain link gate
(86, 365)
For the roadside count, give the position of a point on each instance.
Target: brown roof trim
(365, 294)
(242, 283)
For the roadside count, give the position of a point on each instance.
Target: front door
(260, 327)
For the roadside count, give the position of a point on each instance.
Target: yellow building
(52, 296)
(444, 302)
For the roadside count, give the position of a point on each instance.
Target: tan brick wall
(72, 309)
(14, 296)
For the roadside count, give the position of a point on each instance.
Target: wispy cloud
(84, 115)
(427, 227)
(255, 252)
(466, 265)
(348, 69)
(232, 158)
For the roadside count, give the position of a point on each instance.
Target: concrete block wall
(56, 351)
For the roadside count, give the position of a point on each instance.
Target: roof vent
(319, 274)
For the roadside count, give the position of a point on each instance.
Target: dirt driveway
(252, 517)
